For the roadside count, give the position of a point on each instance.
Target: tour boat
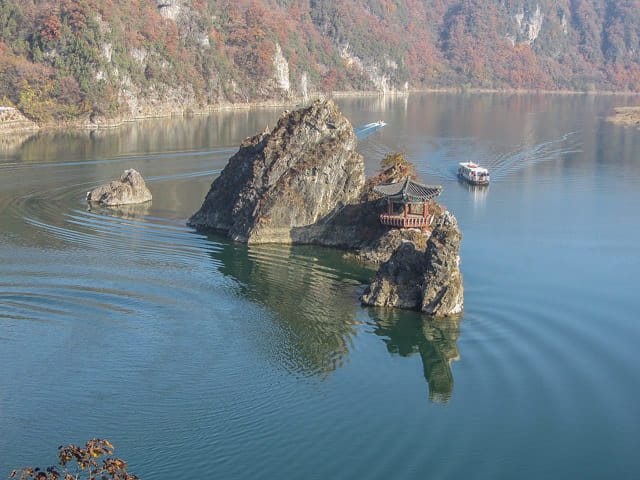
(473, 173)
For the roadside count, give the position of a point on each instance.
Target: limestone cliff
(281, 186)
(428, 280)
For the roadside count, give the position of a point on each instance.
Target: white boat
(473, 173)
(380, 123)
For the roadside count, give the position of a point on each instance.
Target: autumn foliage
(64, 59)
(77, 463)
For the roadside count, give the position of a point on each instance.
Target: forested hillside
(95, 59)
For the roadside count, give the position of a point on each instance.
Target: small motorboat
(473, 173)
(380, 123)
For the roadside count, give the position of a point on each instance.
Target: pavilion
(407, 203)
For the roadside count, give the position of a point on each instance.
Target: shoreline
(12, 127)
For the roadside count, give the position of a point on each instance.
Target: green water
(199, 357)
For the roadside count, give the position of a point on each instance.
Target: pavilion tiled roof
(409, 190)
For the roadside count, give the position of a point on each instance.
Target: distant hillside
(64, 60)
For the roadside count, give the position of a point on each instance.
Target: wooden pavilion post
(425, 211)
(406, 211)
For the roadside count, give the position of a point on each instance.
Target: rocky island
(129, 190)
(303, 183)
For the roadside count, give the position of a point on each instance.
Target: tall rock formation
(282, 184)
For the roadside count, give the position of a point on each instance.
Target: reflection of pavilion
(408, 333)
(407, 203)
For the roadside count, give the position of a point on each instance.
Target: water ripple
(16, 166)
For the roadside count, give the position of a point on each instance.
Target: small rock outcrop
(428, 280)
(130, 189)
(282, 186)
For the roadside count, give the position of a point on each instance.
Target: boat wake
(444, 154)
(367, 129)
(524, 155)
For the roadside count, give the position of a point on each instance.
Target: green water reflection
(313, 295)
(407, 334)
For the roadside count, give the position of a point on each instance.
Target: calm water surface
(199, 357)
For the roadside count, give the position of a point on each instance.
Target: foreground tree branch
(78, 463)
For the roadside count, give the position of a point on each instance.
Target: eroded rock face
(427, 280)
(283, 186)
(381, 250)
(442, 292)
(130, 189)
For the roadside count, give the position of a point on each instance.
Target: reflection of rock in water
(312, 293)
(435, 340)
(9, 143)
(128, 212)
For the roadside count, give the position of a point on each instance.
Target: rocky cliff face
(283, 186)
(428, 280)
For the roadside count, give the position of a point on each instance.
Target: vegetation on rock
(393, 168)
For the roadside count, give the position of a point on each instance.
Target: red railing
(410, 222)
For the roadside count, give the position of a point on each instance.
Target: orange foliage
(388, 6)
(75, 13)
(171, 36)
(152, 28)
(200, 5)
(216, 38)
(624, 77)
(51, 28)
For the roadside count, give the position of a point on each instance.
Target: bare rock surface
(381, 250)
(428, 280)
(282, 186)
(130, 189)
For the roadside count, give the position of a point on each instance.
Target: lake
(198, 357)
